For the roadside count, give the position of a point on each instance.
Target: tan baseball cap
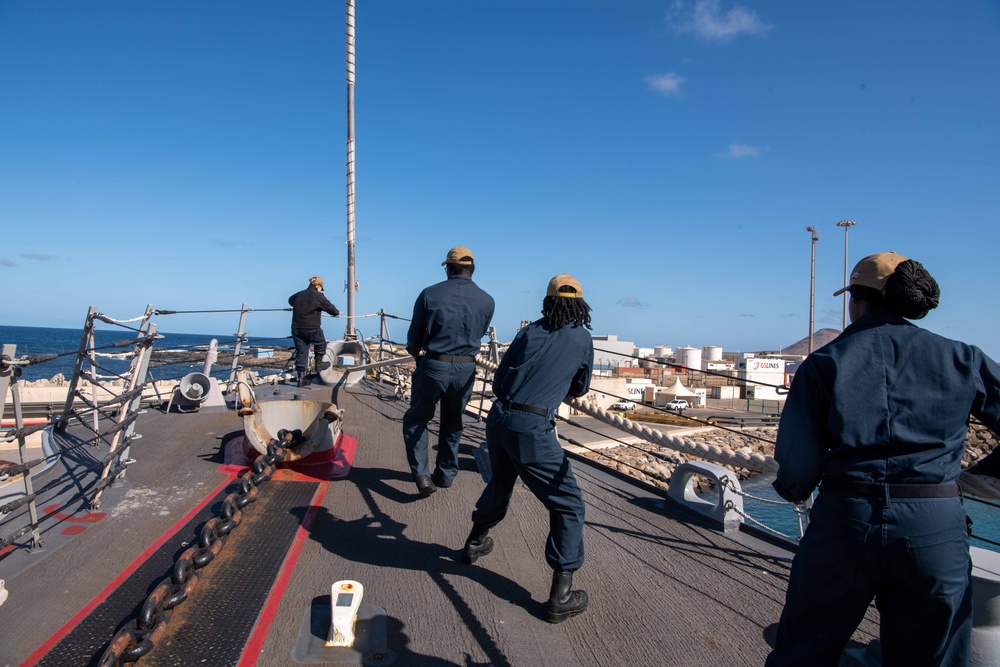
(316, 281)
(459, 255)
(565, 280)
(873, 271)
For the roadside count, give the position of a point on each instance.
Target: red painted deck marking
(73, 530)
(252, 650)
(86, 517)
(7, 549)
(320, 466)
(140, 559)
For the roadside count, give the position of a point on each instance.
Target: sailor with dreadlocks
(549, 361)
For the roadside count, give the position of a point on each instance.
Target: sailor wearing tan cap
(308, 307)
(877, 420)
(548, 361)
(449, 321)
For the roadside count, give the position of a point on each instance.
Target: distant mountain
(820, 338)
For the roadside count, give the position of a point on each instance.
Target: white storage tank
(662, 351)
(689, 358)
(649, 364)
(713, 353)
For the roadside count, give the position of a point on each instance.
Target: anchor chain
(140, 635)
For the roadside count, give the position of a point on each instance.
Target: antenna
(846, 224)
(352, 283)
(812, 284)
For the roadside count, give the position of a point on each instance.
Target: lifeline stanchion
(241, 337)
(8, 378)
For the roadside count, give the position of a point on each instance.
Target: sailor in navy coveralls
(549, 360)
(877, 419)
(449, 322)
(308, 307)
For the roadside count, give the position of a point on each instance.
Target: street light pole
(812, 284)
(846, 224)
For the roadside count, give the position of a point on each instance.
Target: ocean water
(985, 518)
(66, 342)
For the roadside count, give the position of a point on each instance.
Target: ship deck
(664, 589)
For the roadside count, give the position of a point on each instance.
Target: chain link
(800, 510)
(747, 517)
(139, 636)
(728, 483)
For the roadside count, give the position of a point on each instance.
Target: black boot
(476, 545)
(303, 378)
(564, 602)
(321, 363)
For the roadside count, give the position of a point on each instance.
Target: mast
(350, 334)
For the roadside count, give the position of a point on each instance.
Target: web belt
(449, 357)
(874, 490)
(533, 409)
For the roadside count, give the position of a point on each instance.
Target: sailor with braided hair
(877, 420)
(548, 361)
(560, 311)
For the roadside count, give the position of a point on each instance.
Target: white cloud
(668, 84)
(708, 21)
(632, 302)
(738, 150)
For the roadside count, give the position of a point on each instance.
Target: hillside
(820, 338)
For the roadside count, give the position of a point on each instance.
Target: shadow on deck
(663, 590)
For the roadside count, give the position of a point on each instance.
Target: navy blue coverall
(541, 369)
(449, 320)
(308, 307)
(885, 405)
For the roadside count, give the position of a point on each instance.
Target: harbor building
(760, 376)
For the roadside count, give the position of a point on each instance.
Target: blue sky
(668, 154)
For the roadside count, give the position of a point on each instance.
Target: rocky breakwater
(44, 398)
(278, 359)
(654, 464)
(979, 443)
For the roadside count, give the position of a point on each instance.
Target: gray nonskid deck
(176, 467)
(662, 591)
